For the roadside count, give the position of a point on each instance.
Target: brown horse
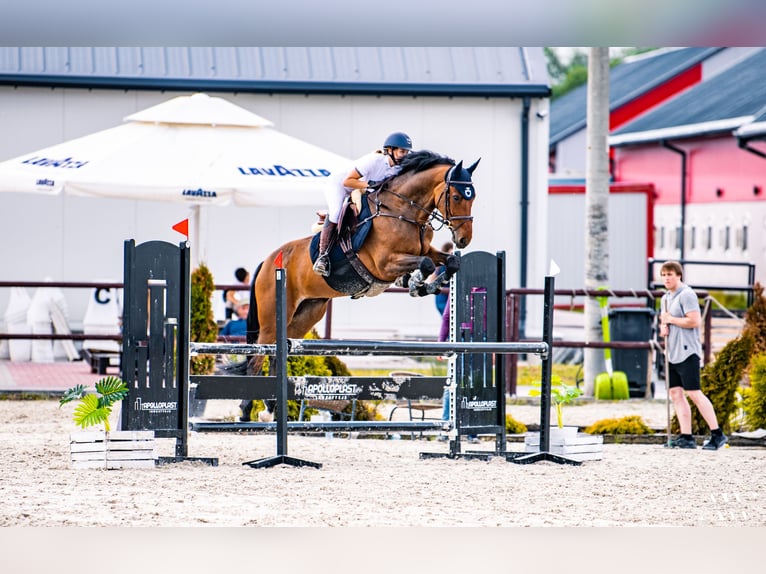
(429, 189)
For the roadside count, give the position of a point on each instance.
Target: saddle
(347, 274)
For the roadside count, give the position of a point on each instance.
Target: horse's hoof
(452, 264)
(265, 416)
(427, 266)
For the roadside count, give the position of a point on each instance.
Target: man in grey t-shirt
(679, 323)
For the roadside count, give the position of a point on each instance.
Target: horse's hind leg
(308, 314)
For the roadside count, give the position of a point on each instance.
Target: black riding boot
(322, 264)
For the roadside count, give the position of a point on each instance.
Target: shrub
(319, 366)
(202, 325)
(719, 381)
(754, 403)
(755, 321)
(512, 426)
(632, 424)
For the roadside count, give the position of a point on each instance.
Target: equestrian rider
(368, 169)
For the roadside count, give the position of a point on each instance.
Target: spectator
(441, 298)
(237, 327)
(231, 297)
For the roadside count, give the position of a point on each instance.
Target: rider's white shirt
(374, 167)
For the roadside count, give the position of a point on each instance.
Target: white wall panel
(81, 239)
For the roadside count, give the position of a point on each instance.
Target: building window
(661, 239)
(743, 243)
(726, 238)
(693, 238)
(709, 238)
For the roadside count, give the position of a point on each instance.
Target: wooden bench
(100, 361)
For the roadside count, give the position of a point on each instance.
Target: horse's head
(455, 202)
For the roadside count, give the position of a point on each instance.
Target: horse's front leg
(451, 266)
(413, 271)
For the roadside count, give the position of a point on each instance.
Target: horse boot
(322, 264)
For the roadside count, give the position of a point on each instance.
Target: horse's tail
(253, 326)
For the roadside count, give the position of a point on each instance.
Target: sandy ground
(370, 482)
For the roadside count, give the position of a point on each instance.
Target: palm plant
(94, 409)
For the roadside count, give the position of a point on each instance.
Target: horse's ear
(473, 167)
(458, 168)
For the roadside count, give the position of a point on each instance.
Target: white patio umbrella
(197, 149)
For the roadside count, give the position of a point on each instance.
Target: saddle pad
(343, 277)
(357, 238)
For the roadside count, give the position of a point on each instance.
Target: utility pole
(596, 207)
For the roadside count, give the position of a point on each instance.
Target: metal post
(280, 373)
(545, 397)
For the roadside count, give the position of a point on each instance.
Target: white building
(462, 102)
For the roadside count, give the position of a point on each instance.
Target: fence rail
(513, 319)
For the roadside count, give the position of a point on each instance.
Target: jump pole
(280, 364)
(545, 394)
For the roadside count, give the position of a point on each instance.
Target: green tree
(566, 76)
(202, 325)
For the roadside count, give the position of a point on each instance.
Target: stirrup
(322, 266)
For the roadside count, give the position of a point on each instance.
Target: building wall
(628, 220)
(725, 209)
(81, 239)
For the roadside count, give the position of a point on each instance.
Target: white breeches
(335, 195)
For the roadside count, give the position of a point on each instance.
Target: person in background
(237, 327)
(232, 296)
(441, 297)
(679, 323)
(367, 170)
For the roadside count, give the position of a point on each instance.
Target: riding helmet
(398, 139)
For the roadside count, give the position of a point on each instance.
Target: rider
(370, 168)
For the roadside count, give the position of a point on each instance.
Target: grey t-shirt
(682, 342)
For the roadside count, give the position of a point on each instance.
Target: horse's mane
(423, 159)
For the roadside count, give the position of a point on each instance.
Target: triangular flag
(554, 270)
(182, 227)
(278, 261)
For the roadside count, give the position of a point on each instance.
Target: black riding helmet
(397, 140)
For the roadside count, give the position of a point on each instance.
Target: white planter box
(113, 450)
(574, 445)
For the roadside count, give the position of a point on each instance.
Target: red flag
(278, 261)
(182, 227)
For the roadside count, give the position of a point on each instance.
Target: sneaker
(715, 442)
(682, 442)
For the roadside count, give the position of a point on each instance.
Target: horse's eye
(456, 197)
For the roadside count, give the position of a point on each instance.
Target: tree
(596, 206)
(565, 77)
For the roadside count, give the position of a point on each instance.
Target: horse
(430, 189)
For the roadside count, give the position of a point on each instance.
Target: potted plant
(104, 448)
(561, 394)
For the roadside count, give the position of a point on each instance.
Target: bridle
(465, 188)
(445, 220)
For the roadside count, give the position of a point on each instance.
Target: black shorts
(685, 374)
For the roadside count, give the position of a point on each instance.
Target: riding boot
(322, 264)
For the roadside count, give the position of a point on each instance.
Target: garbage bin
(631, 324)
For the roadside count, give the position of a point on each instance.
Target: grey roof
(627, 81)
(488, 71)
(735, 97)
